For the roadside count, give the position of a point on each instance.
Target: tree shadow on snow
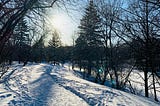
(38, 95)
(91, 98)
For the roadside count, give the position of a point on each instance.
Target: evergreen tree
(21, 41)
(53, 49)
(90, 25)
(55, 41)
(89, 41)
(38, 54)
(21, 33)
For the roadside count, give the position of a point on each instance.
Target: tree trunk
(116, 76)
(19, 60)
(105, 75)
(80, 65)
(97, 76)
(154, 87)
(72, 65)
(89, 68)
(146, 81)
(147, 49)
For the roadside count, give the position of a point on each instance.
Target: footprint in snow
(4, 96)
(8, 95)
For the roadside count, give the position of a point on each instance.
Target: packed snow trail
(45, 91)
(48, 85)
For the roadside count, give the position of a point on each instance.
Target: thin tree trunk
(116, 75)
(146, 82)
(154, 87)
(105, 75)
(89, 68)
(147, 50)
(80, 65)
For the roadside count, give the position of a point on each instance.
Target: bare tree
(141, 28)
(110, 12)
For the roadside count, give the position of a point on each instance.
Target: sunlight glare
(59, 22)
(63, 24)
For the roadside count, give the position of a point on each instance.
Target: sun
(63, 24)
(59, 22)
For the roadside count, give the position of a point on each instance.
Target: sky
(66, 21)
(62, 23)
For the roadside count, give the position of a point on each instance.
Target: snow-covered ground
(48, 85)
(137, 81)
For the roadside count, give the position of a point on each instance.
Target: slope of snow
(137, 81)
(48, 85)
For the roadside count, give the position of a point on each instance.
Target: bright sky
(66, 22)
(65, 26)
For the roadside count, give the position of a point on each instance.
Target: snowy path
(47, 92)
(47, 85)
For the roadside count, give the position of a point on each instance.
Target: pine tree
(21, 33)
(54, 44)
(21, 41)
(55, 41)
(90, 25)
(89, 41)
